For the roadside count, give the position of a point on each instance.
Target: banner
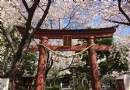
(4, 82)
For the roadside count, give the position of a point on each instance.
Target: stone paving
(66, 89)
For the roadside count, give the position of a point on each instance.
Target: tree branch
(41, 20)
(25, 5)
(30, 16)
(44, 15)
(124, 23)
(71, 16)
(49, 67)
(68, 66)
(28, 25)
(122, 11)
(9, 39)
(24, 41)
(20, 12)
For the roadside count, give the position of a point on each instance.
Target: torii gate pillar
(93, 65)
(40, 77)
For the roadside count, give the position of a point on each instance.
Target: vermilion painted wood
(72, 48)
(76, 34)
(40, 76)
(93, 65)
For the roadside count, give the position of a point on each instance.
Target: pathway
(66, 89)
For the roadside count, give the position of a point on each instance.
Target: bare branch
(122, 11)
(69, 65)
(30, 16)
(42, 19)
(20, 12)
(72, 15)
(28, 25)
(25, 5)
(24, 41)
(44, 15)
(9, 39)
(128, 24)
(49, 67)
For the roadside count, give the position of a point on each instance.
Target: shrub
(53, 88)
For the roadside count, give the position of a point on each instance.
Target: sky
(126, 31)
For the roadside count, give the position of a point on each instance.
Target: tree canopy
(55, 14)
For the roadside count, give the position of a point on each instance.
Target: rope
(79, 53)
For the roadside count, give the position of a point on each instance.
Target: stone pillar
(40, 77)
(93, 66)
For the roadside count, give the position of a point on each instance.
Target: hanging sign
(67, 40)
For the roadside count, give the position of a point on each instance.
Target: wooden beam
(76, 34)
(72, 48)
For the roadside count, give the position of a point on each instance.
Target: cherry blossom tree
(16, 12)
(120, 10)
(55, 14)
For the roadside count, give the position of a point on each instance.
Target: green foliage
(82, 74)
(29, 63)
(103, 54)
(85, 56)
(28, 66)
(6, 55)
(80, 69)
(89, 28)
(53, 88)
(80, 87)
(104, 67)
(21, 88)
(116, 60)
(110, 81)
(104, 41)
(15, 35)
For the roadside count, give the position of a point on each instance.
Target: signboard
(4, 82)
(67, 40)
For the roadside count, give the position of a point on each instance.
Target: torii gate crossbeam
(76, 33)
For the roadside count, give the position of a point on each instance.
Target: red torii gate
(88, 34)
